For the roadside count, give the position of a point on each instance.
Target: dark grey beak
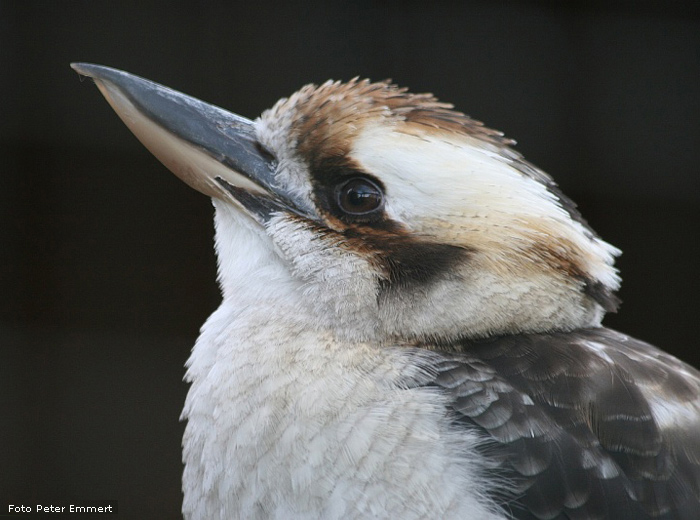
(212, 150)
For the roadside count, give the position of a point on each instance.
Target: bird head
(382, 215)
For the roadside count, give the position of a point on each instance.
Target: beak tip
(99, 73)
(84, 69)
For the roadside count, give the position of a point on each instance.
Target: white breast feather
(284, 422)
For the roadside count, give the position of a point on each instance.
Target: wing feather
(588, 424)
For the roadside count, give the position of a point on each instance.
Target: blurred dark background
(107, 267)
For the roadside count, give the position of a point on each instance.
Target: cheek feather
(409, 263)
(398, 260)
(468, 194)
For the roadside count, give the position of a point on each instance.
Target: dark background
(107, 268)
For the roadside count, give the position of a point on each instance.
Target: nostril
(264, 152)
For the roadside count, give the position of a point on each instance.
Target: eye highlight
(359, 196)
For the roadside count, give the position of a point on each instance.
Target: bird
(411, 322)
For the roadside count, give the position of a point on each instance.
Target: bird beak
(212, 150)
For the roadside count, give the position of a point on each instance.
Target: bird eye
(359, 196)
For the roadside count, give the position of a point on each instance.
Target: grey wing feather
(588, 424)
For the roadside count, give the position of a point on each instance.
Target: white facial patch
(338, 284)
(467, 193)
(272, 129)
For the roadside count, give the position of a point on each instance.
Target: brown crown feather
(328, 117)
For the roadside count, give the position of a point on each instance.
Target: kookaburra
(410, 325)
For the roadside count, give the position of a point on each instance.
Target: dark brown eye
(359, 196)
